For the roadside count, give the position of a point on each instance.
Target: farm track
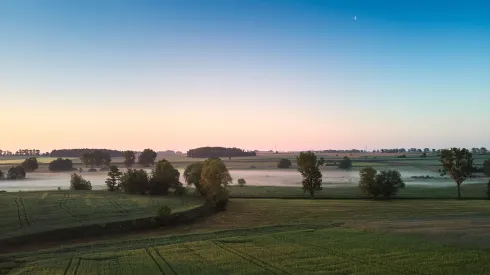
(154, 260)
(21, 224)
(118, 206)
(63, 206)
(264, 265)
(356, 258)
(77, 267)
(68, 266)
(24, 210)
(165, 261)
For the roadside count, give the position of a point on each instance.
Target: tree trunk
(459, 191)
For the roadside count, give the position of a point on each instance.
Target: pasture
(263, 236)
(25, 213)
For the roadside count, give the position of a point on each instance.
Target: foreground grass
(25, 213)
(469, 191)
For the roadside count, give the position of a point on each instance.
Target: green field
(25, 213)
(263, 236)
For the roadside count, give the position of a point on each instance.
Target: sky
(291, 75)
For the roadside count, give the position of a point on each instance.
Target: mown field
(273, 236)
(24, 213)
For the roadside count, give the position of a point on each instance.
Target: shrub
(16, 172)
(164, 211)
(241, 182)
(135, 181)
(284, 163)
(61, 165)
(385, 183)
(77, 182)
(345, 163)
(30, 164)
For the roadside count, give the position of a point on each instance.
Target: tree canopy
(218, 152)
(308, 166)
(192, 175)
(345, 163)
(214, 180)
(61, 165)
(164, 176)
(77, 182)
(16, 172)
(129, 158)
(457, 163)
(385, 183)
(30, 164)
(96, 158)
(147, 157)
(284, 163)
(114, 179)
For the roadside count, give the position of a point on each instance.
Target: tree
(241, 182)
(214, 180)
(114, 178)
(30, 164)
(77, 182)
(61, 165)
(164, 176)
(385, 183)
(486, 167)
(426, 150)
(458, 163)
(129, 158)
(475, 151)
(135, 181)
(345, 163)
(483, 150)
(308, 166)
(86, 158)
(284, 163)
(147, 157)
(192, 175)
(488, 190)
(424, 155)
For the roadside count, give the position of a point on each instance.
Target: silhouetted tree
(147, 157)
(216, 152)
(486, 167)
(61, 165)
(345, 163)
(284, 163)
(30, 164)
(135, 181)
(385, 183)
(458, 163)
(77, 182)
(308, 166)
(214, 180)
(164, 176)
(192, 175)
(114, 178)
(129, 158)
(17, 172)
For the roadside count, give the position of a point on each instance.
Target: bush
(30, 164)
(345, 163)
(16, 172)
(61, 165)
(164, 211)
(284, 163)
(385, 183)
(135, 181)
(77, 182)
(241, 182)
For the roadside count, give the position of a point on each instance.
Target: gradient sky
(252, 74)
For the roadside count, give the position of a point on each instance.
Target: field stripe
(266, 266)
(117, 206)
(21, 224)
(193, 251)
(25, 213)
(166, 262)
(77, 266)
(68, 266)
(155, 261)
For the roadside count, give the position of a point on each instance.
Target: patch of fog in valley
(332, 178)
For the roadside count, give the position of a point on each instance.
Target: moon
(355, 18)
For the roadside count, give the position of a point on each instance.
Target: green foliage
(129, 158)
(367, 182)
(241, 182)
(284, 163)
(16, 172)
(61, 165)
(192, 175)
(216, 152)
(77, 182)
(385, 183)
(486, 167)
(135, 181)
(164, 176)
(147, 157)
(308, 166)
(345, 163)
(96, 158)
(215, 178)
(30, 164)
(114, 179)
(164, 211)
(458, 163)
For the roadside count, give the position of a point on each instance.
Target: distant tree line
(21, 152)
(76, 153)
(218, 152)
(15, 172)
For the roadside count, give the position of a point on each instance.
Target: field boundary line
(266, 266)
(63, 206)
(21, 224)
(24, 210)
(166, 262)
(154, 260)
(78, 266)
(117, 206)
(193, 251)
(68, 266)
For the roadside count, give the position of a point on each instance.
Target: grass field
(25, 213)
(263, 236)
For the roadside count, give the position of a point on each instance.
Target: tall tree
(164, 176)
(129, 158)
(147, 157)
(30, 164)
(458, 163)
(309, 167)
(114, 178)
(192, 175)
(214, 180)
(483, 150)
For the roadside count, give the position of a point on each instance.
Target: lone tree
(114, 179)
(129, 158)
(458, 163)
(308, 166)
(214, 180)
(192, 175)
(241, 182)
(486, 167)
(77, 182)
(30, 164)
(164, 177)
(385, 183)
(147, 157)
(17, 172)
(483, 150)
(284, 163)
(345, 163)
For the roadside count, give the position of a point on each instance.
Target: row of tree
(15, 172)
(21, 152)
(75, 153)
(219, 152)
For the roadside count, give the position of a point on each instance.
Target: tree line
(21, 152)
(75, 153)
(219, 152)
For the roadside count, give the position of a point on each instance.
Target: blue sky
(251, 74)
